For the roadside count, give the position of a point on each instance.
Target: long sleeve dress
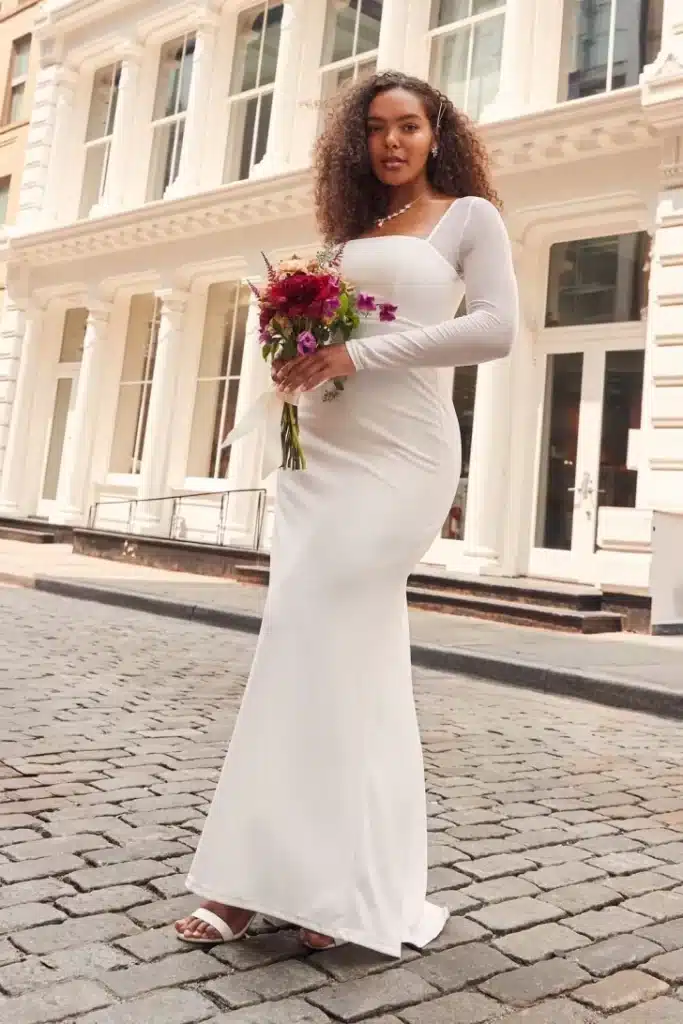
(319, 817)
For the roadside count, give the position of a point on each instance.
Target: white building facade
(170, 144)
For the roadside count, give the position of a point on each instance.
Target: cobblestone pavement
(556, 827)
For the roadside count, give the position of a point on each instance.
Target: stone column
(518, 511)
(13, 486)
(123, 133)
(11, 338)
(244, 469)
(516, 61)
(281, 133)
(391, 51)
(198, 106)
(660, 477)
(158, 433)
(302, 129)
(60, 150)
(75, 473)
(49, 136)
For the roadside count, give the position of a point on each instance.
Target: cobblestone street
(556, 828)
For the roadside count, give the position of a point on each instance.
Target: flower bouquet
(305, 305)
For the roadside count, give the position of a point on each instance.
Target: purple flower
(366, 303)
(387, 311)
(306, 343)
(331, 306)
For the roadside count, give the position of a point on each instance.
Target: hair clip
(442, 108)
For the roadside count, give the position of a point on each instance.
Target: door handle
(585, 488)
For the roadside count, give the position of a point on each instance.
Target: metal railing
(168, 518)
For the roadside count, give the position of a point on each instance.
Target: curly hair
(348, 196)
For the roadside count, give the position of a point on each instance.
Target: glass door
(62, 410)
(591, 397)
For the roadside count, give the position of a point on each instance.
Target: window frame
(169, 155)
(17, 81)
(144, 382)
(5, 192)
(330, 71)
(104, 141)
(569, 38)
(238, 102)
(467, 24)
(221, 424)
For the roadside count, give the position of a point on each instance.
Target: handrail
(177, 501)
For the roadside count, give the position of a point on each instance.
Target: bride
(319, 818)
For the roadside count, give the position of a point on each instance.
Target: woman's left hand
(303, 373)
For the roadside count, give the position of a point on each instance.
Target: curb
(606, 690)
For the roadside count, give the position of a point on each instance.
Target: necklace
(404, 209)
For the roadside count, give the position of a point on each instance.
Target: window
(464, 393)
(466, 51)
(607, 44)
(99, 135)
(5, 184)
(136, 384)
(598, 280)
(251, 88)
(73, 335)
(349, 44)
(18, 77)
(218, 380)
(170, 109)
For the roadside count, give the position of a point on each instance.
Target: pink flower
(366, 303)
(331, 306)
(387, 312)
(306, 343)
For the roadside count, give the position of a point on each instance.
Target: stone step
(456, 602)
(26, 536)
(520, 613)
(523, 590)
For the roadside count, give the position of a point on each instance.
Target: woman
(319, 818)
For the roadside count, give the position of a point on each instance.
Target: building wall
(604, 165)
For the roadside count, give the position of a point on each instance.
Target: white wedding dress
(319, 817)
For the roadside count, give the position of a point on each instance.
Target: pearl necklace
(390, 216)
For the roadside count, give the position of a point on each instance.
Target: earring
(435, 150)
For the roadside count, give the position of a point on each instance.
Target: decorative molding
(240, 204)
(599, 125)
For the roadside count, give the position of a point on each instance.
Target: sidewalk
(622, 670)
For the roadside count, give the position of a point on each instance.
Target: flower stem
(292, 452)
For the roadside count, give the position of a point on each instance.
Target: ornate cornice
(610, 124)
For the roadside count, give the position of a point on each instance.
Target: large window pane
(15, 106)
(218, 379)
(170, 106)
(598, 280)
(5, 184)
(554, 521)
(608, 43)
(258, 44)
(136, 385)
(73, 336)
(60, 414)
(464, 393)
(465, 61)
(253, 76)
(621, 413)
(351, 29)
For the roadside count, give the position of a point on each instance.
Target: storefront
(130, 323)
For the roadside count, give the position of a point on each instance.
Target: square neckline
(421, 238)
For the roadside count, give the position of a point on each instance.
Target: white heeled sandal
(224, 930)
